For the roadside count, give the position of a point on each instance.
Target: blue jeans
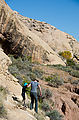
(33, 96)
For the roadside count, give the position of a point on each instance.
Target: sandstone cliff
(41, 41)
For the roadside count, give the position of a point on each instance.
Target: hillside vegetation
(25, 71)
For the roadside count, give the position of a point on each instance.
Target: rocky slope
(41, 41)
(14, 91)
(66, 97)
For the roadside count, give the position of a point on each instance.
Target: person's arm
(40, 90)
(29, 85)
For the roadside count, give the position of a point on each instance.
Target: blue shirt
(34, 86)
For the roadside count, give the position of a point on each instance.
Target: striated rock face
(41, 41)
(56, 39)
(17, 38)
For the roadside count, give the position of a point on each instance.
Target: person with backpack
(23, 92)
(33, 94)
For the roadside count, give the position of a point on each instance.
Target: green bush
(14, 70)
(20, 67)
(32, 76)
(46, 94)
(31, 19)
(72, 70)
(54, 115)
(75, 67)
(38, 72)
(64, 68)
(54, 80)
(58, 66)
(75, 82)
(45, 106)
(49, 78)
(74, 73)
(70, 62)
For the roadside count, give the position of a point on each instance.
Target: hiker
(23, 92)
(33, 94)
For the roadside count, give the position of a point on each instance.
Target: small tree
(66, 54)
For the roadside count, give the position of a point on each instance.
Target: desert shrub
(29, 58)
(54, 80)
(69, 79)
(46, 94)
(70, 62)
(14, 70)
(54, 115)
(66, 54)
(32, 76)
(72, 70)
(67, 69)
(64, 68)
(20, 67)
(38, 72)
(74, 73)
(31, 19)
(45, 106)
(75, 82)
(75, 67)
(59, 66)
(48, 78)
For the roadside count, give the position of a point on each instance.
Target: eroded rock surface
(41, 41)
(67, 103)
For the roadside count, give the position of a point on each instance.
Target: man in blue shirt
(34, 85)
